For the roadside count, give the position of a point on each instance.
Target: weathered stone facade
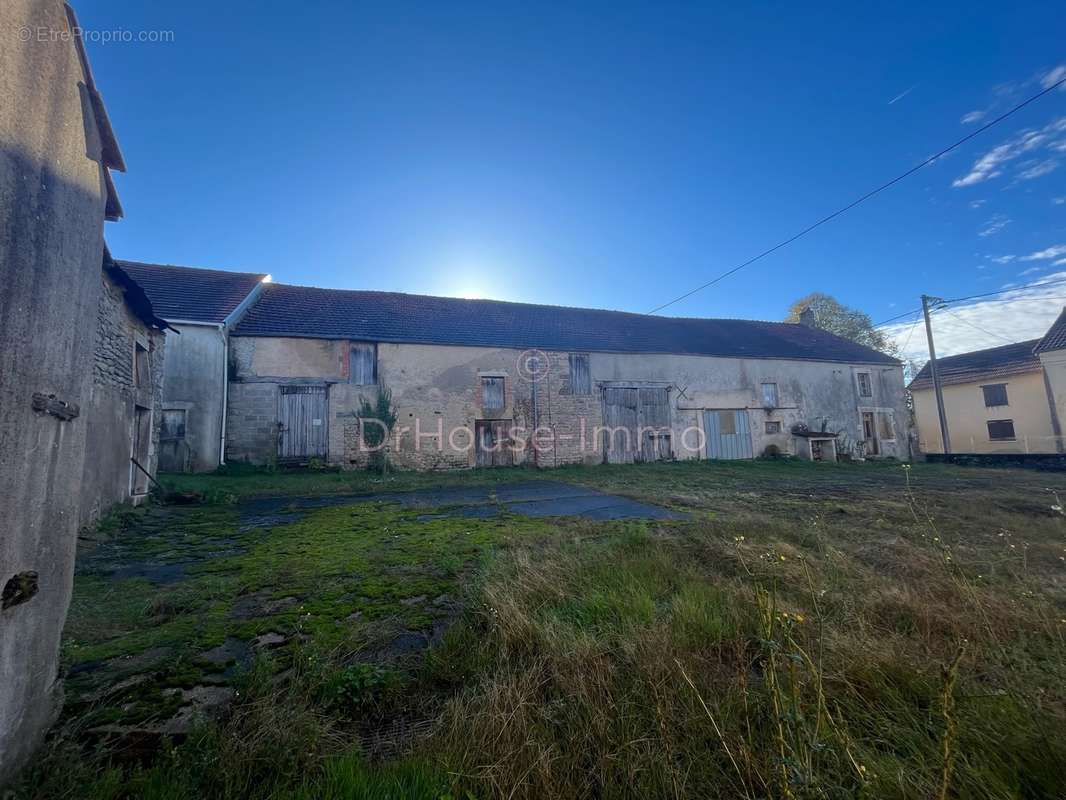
(122, 399)
(438, 394)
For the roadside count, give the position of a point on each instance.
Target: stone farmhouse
(489, 383)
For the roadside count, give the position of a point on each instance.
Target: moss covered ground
(822, 631)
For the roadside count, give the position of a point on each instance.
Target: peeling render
(437, 391)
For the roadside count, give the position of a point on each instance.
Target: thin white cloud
(997, 223)
(1053, 76)
(1060, 263)
(1018, 314)
(992, 164)
(977, 203)
(972, 117)
(1038, 168)
(1048, 253)
(901, 95)
(1030, 271)
(1059, 200)
(1002, 259)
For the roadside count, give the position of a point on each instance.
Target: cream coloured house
(1005, 399)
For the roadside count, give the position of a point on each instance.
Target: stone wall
(115, 402)
(437, 392)
(252, 423)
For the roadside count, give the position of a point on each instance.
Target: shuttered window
(142, 372)
(1001, 429)
(865, 386)
(363, 364)
(580, 375)
(769, 395)
(173, 424)
(886, 426)
(773, 426)
(492, 393)
(995, 395)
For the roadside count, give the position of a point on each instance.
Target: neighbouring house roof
(1055, 338)
(995, 362)
(134, 295)
(307, 312)
(190, 293)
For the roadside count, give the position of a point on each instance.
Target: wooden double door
(637, 424)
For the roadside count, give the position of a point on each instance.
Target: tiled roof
(307, 312)
(189, 293)
(995, 362)
(1055, 338)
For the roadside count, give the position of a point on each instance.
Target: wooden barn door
(654, 418)
(493, 443)
(302, 423)
(728, 434)
(637, 423)
(620, 420)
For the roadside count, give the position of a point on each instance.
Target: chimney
(807, 317)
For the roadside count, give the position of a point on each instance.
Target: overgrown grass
(814, 631)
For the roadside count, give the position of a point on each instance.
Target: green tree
(376, 421)
(849, 323)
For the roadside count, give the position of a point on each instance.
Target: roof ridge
(151, 264)
(276, 285)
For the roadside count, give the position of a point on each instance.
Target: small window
(363, 364)
(769, 395)
(727, 423)
(773, 426)
(580, 375)
(1001, 430)
(995, 394)
(865, 386)
(173, 424)
(492, 394)
(142, 373)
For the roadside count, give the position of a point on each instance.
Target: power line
(862, 199)
(1034, 285)
(976, 327)
(907, 341)
(1005, 291)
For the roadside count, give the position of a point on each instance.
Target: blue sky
(610, 155)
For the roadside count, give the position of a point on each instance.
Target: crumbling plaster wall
(437, 393)
(52, 192)
(193, 382)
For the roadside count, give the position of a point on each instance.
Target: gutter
(232, 319)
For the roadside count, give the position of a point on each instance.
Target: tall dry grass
(753, 661)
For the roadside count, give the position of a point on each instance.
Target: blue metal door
(728, 435)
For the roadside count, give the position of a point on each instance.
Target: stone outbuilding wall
(123, 406)
(551, 419)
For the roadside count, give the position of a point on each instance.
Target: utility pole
(926, 300)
